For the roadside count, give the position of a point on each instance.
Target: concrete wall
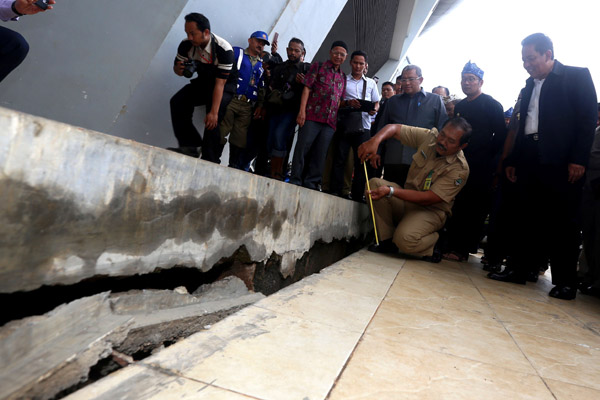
(107, 65)
(77, 204)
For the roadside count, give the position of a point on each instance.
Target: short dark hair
(359, 53)
(296, 40)
(541, 43)
(442, 87)
(410, 67)
(387, 83)
(463, 125)
(201, 21)
(398, 78)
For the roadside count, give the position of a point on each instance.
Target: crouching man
(409, 218)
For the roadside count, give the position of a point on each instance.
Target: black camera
(43, 4)
(189, 67)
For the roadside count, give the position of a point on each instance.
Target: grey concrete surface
(41, 356)
(78, 204)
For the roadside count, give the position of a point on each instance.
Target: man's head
(197, 28)
(338, 53)
(398, 85)
(453, 137)
(387, 90)
(358, 62)
(411, 80)
(471, 80)
(257, 42)
(537, 55)
(295, 49)
(441, 90)
(450, 104)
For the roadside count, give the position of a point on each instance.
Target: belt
(533, 136)
(242, 97)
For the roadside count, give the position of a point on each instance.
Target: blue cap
(508, 113)
(472, 68)
(262, 36)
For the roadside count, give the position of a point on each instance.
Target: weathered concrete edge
(78, 203)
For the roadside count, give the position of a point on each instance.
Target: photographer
(211, 57)
(13, 47)
(283, 103)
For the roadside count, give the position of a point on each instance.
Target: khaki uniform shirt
(448, 173)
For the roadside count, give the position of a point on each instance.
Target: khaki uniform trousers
(412, 228)
(236, 121)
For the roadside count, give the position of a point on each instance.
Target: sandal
(454, 256)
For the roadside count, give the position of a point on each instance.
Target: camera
(43, 4)
(189, 67)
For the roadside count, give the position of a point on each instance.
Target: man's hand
(178, 68)
(576, 171)
(380, 192)
(511, 174)
(301, 119)
(376, 161)
(259, 113)
(211, 120)
(300, 78)
(274, 47)
(28, 7)
(353, 103)
(368, 149)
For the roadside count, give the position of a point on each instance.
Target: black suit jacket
(567, 117)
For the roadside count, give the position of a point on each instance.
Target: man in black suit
(557, 121)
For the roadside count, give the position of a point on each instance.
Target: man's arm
(22, 7)
(212, 118)
(369, 148)
(425, 198)
(301, 119)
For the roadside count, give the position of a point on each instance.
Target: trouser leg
(339, 151)
(13, 50)
(212, 147)
(416, 233)
(182, 110)
(316, 163)
(387, 211)
(306, 137)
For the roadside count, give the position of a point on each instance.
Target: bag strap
(364, 88)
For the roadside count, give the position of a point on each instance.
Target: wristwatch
(391, 193)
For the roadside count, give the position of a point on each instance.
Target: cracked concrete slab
(79, 204)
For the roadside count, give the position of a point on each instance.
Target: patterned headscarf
(472, 68)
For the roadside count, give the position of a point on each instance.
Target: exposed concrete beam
(78, 204)
(411, 18)
(307, 20)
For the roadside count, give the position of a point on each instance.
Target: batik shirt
(327, 88)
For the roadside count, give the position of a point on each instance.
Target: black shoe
(386, 246)
(495, 267)
(508, 275)
(435, 258)
(563, 292)
(187, 151)
(532, 276)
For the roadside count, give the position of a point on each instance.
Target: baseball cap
(262, 36)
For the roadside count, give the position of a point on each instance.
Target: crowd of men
(441, 166)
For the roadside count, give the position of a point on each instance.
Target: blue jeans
(310, 153)
(281, 127)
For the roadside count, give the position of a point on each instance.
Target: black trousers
(464, 229)
(340, 155)
(13, 50)
(396, 173)
(549, 218)
(503, 224)
(193, 95)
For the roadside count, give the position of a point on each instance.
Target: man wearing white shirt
(552, 148)
(13, 46)
(353, 134)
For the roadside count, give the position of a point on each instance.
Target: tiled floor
(382, 327)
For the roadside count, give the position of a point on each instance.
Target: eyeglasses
(470, 79)
(405, 80)
(339, 53)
